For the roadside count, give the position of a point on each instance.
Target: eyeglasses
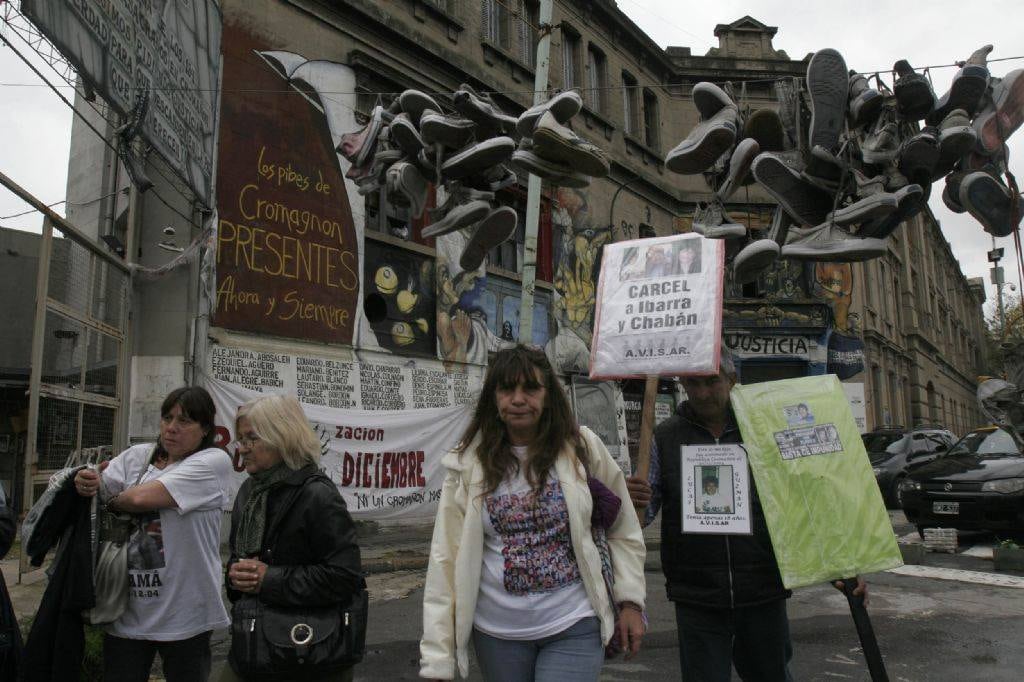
(248, 441)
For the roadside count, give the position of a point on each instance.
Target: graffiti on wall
(578, 243)
(287, 250)
(398, 299)
(833, 283)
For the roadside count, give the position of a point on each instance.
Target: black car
(977, 485)
(894, 451)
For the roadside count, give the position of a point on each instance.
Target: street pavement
(951, 618)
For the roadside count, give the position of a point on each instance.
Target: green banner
(822, 504)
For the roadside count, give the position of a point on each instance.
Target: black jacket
(315, 559)
(706, 570)
(10, 635)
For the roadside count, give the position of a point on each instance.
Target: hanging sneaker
(404, 134)
(562, 106)
(711, 221)
(496, 227)
(881, 145)
(357, 147)
(990, 203)
(914, 94)
(828, 242)
(459, 217)
(527, 162)
(478, 157)
(965, 92)
(753, 259)
(491, 121)
(451, 131)
(828, 83)
(555, 142)
(919, 154)
(415, 102)
(407, 184)
(910, 200)
(951, 192)
(864, 209)
(956, 138)
(765, 127)
(824, 170)
(709, 140)
(739, 167)
(865, 101)
(803, 201)
(1003, 115)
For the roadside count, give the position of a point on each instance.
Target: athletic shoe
(753, 259)
(828, 242)
(828, 83)
(711, 221)
(451, 131)
(881, 145)
(555, 142)
(965, 92)
(739, 167)
(990, 202)
(802, 200)
(1003, 115)
(459, 217)
(919, 154)
(478, 157)
(865, 101)
(824, 170)
(404, 181)
(358, 146)
(910, 200)
(864, 209)
(562, 106)
(495, 228)
(491, 121)
(404, 134)
(765, 127)
(951, 192)
(705, 144)
(710, 99)
(956, 138)
(415, 102)
(527, 162)
(914, 94)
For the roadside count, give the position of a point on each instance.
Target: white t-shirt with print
(530, 583)
(174, 569)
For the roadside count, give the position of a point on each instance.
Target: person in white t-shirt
(175, 490)
(515, 563)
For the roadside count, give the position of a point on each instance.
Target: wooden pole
(643, 455)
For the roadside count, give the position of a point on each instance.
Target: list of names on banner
(347, 384)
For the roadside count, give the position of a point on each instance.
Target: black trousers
(129, 660)
(755, 639)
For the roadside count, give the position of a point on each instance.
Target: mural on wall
(577, 256)
(833, 283)
(398, 299)
(287, 249)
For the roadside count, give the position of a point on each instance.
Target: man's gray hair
(727, 364)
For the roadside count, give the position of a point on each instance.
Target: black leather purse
(277, 643)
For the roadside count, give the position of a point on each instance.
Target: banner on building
(823, 508)
(386, 463)
(166, 53)
(659, 308)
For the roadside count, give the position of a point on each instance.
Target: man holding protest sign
(722, 576)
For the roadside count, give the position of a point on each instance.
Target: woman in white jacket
(514, 564)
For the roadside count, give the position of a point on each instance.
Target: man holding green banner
(723, 577)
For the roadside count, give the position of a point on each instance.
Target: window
(526, 17)
(501, 301)
(496, 21)
(597, 78)
(630, 106)
(509, 254)
(570, 59)
(651, 123)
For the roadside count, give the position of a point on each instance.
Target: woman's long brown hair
(557, 425)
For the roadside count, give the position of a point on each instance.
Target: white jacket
(456, 553)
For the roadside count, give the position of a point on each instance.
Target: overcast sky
(870, 34)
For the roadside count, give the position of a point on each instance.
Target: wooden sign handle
(643, 456)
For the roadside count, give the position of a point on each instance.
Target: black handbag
(277, 642)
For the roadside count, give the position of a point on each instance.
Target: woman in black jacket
(293, 551)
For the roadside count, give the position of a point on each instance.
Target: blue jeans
(755, 639)
(573, 655)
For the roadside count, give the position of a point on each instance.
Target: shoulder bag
(275, 642)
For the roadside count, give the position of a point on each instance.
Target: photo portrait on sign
(716, 492)
(686, 258)
(646, 262)
(798, 414)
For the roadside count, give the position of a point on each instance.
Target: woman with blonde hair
(294, 568)
(533, 557)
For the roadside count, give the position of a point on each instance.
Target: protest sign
(825, 514)
(659, 308)
(716, 489)
(386, 463)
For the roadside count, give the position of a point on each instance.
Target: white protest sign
(386, 463)
(659, 308)
(716, 489)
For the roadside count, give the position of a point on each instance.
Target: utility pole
(540, 94)
(994, 256)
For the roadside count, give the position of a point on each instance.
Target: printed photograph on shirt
(798, 415)
(146, 544)
(716, 489)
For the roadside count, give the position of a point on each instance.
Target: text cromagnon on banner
(659, 308)
(386, 463)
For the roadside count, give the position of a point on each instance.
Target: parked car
(894, 451)
(977, 485)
